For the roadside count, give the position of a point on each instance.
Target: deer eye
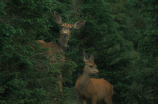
(91, 66)
(70, 28)
(61, 27)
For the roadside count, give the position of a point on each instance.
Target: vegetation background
(123, 35)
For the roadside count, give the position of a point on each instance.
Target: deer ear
(57, 18)
(92, 57)
(85, 56)
(79, 24)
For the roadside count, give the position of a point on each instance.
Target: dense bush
(121, 34)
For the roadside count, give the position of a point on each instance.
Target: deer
(61, 45)
(97, 90)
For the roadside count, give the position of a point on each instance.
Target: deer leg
(61, 86)
(63, 58)
(60, 76)
(84, 101)
(94, 100)
(60, 83)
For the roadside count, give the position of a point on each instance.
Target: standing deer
(97, 90)
(59, 47)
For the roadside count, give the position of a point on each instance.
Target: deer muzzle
(96, 72)
(65, 35)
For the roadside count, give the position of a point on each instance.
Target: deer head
(66, 28)
(90, 67)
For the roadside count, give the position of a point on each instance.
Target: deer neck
(84, 81)
(63, 42)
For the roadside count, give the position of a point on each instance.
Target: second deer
(97, 90)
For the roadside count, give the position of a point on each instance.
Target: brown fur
(65, 32)
(97, 90)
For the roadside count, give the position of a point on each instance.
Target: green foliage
(149, 11)
(129, 20)
(114, 32)
(145, 77)
(143, 88)
(144, 74)
(12, 88)
(26, 75)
